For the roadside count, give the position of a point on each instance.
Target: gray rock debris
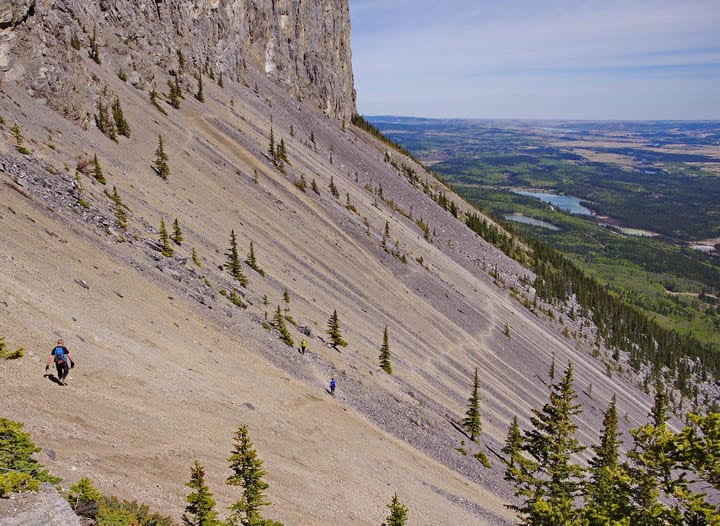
(45, 507)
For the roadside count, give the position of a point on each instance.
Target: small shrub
(481, 457)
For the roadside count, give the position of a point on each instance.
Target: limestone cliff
(302, 46)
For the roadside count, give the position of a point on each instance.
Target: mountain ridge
(167, 366)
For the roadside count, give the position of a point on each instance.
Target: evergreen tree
(282, 151)
(199, 94)
(94, 52)
(606, 492)
(286, 299)
(232, 261)
(314, 187)
(201, 505)
(176, 236)
(195, 257)
(651, 467)
(122, 126)
(385, 353)
(174, 93)
(120, 209)
(398, 513)
(154, 101)
(104, 123)
(279, 321)
(333, 189)
(19, 471)
(161, 159)
(333, 331)
(167, 249)
(271, 148)
(248, 474)
(220, 82)
(252, 262)
(83, 495)
(18, 136)
(97, 171)
(548, 483)
(472, 422)
(512, 448)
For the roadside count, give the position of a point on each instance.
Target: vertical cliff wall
(301, 45)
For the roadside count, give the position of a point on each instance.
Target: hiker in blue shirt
(61, 356)
(332, 386)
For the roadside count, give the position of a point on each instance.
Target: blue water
(568, 203)
(519, 218)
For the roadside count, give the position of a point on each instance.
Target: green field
(674, 194)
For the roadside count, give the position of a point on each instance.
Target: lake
(519, 218)
(568, 203)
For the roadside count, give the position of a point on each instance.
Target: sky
(537, 59)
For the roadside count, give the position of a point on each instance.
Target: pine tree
(279, 321)
(385, 354)
(232, 262)
(97, 171)
(201, 505)
(161, 159)
(199, 94)
(314, 187)
(94, 52)
(18, 136)
(248, 474)
(19, 471)
(154, 101)
(333, 189)
(252, 262)
(651, 467)
(195, 257)
(120, 209)
(398, 513)
(472, 422)
(271, 148)
(333, 331)
(83, 494)
(174, 93)
(105, 124)
(606, 491)
(167, 249)
(176, 236)
(512, 448)
(286, 299)
(548, 482)
(282, 151)
(122, 126)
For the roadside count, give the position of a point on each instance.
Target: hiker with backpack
(332, 386)
(303, 346)
(61, 356)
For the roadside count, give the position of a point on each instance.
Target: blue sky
(538, 59)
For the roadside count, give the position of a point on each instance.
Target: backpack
(60, 356)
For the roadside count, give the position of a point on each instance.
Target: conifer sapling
(472, 423)
(334, 332)
(385, 353)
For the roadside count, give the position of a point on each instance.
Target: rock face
(45, 507)
(302, 46)
(13, 11)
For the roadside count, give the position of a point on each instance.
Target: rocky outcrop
(303, 46)
(44, 507)
(14, 11)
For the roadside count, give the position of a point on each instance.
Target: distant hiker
(332, 386)
(303, 346)
(61, 356)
